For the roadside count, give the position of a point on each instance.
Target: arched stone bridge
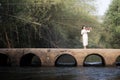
(51, 56)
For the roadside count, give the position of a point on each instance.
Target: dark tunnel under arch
(117, 61)
(4, 60)
(94, 60)
(65, 60)
(30, 59)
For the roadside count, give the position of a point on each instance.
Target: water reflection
(60, 73)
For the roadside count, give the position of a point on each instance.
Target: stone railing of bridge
(49, 56)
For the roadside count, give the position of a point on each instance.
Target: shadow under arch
(65, 60)
(4, 60)
(117, 63)
(95, 60)
(30, 59)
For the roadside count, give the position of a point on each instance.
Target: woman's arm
(88, 29)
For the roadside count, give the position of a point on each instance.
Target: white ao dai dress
(85, 36)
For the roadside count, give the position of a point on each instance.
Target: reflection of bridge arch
(4, 60)
(94, 59)
(30, 59)
(65, 60)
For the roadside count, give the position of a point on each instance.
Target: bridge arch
(117, 61)
(94, 59)
(30, 59)
(4, 60)
(65, 60)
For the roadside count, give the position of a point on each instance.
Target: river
(60, 73)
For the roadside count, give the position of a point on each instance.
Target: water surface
(60, 73)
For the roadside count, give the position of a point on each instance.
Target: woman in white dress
(84, 34)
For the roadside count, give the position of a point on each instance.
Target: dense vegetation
(52, 23)
(111, 26)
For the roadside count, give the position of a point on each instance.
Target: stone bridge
(56, 56)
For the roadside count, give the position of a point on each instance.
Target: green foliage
(46, 23)
(112, 25)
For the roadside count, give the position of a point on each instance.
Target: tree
(112, 25)
(45, 23)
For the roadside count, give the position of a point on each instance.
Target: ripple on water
(60, 73)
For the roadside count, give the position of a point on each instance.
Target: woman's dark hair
(83, 26)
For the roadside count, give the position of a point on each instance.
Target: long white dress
(85, 36)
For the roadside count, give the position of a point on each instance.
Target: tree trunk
(7, 39)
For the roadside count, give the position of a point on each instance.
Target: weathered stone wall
(48, 56)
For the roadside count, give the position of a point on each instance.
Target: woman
(84, 34)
